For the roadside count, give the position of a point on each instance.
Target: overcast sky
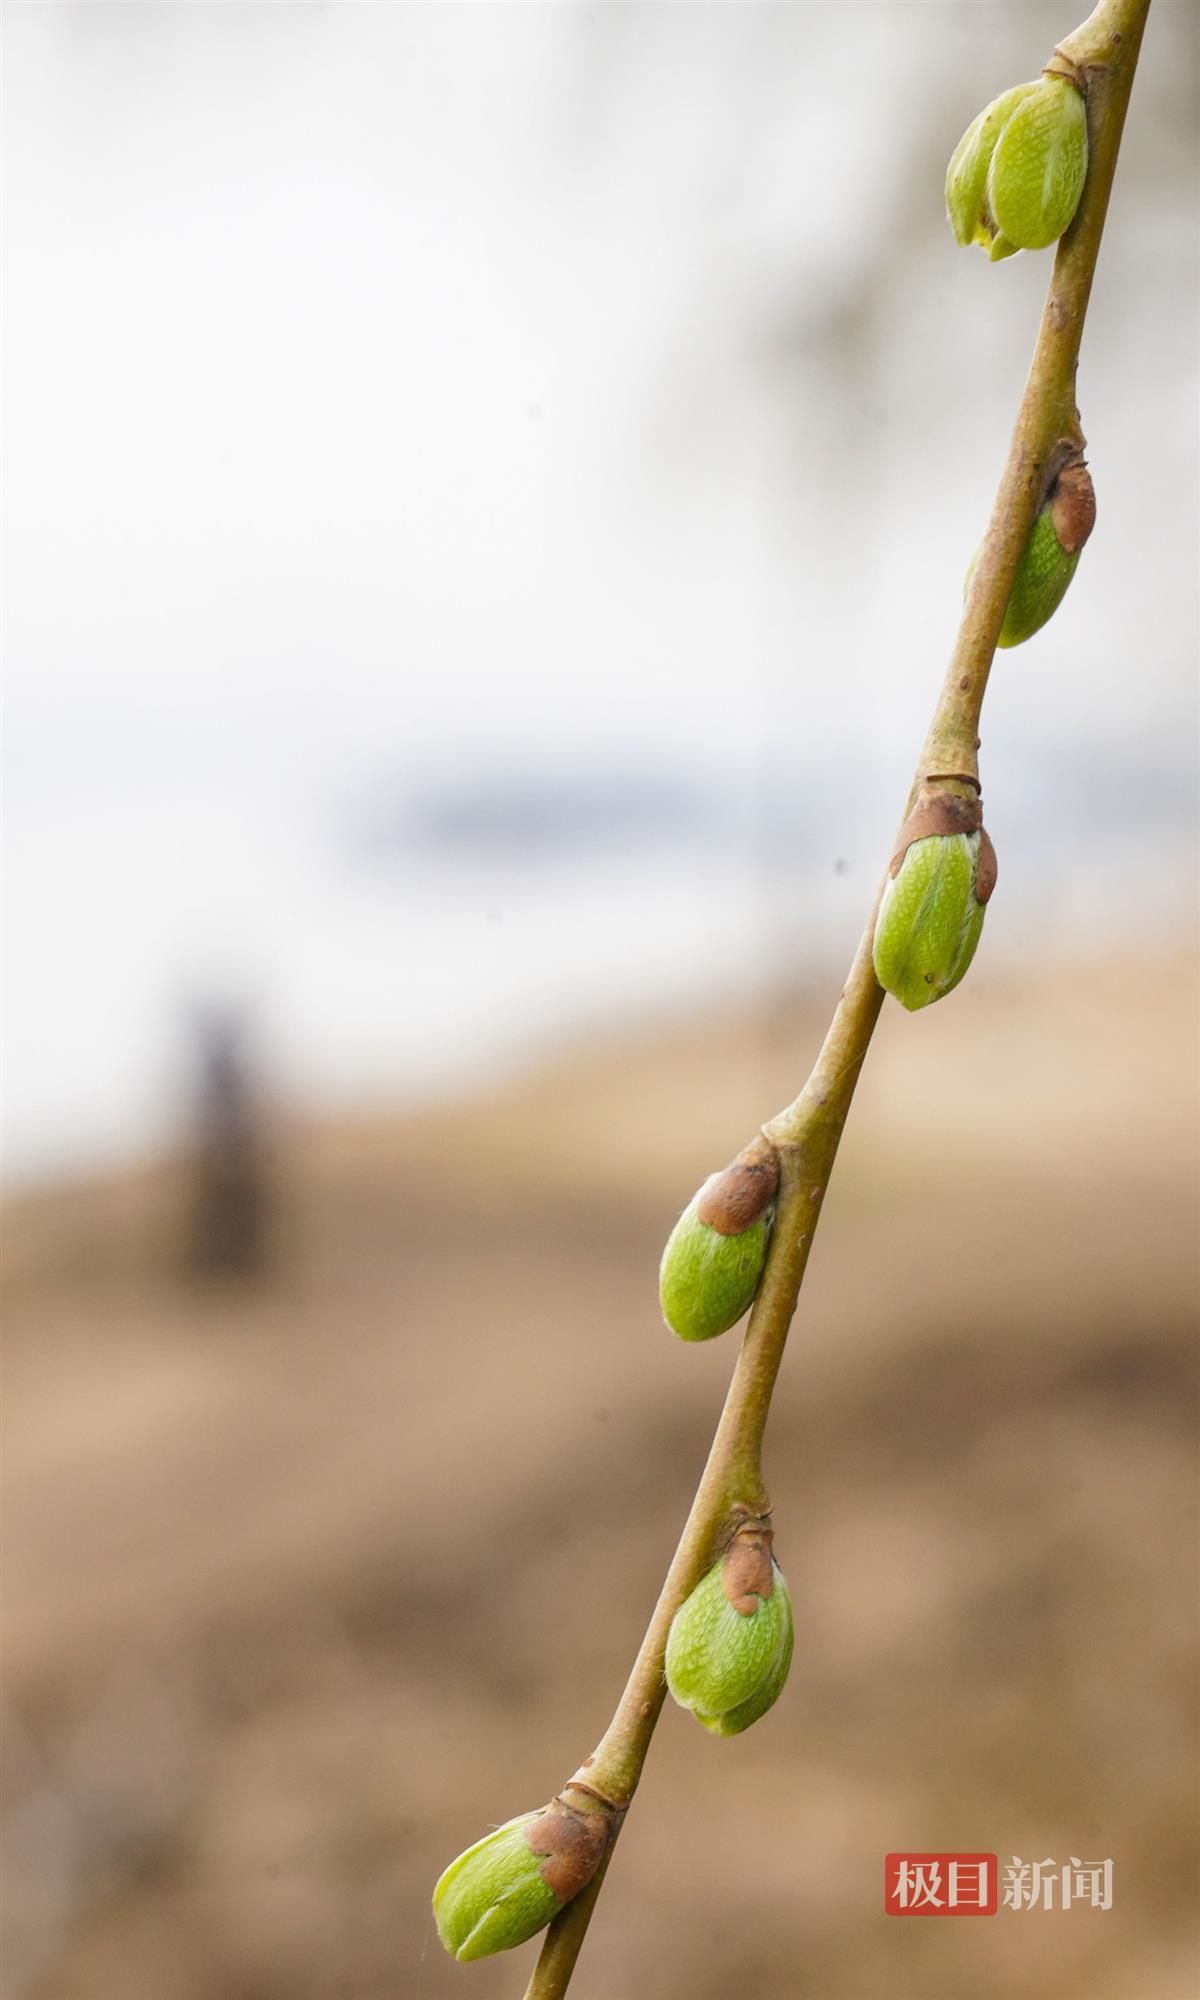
(410, 396)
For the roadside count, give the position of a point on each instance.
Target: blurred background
(487, 495)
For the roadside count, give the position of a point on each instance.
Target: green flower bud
(1039, 165)
(1017, 173)
(1050, 556)
(931, 911)
(508, 1886)
(966, 176)
(1040, 584)
(730, 1643)
(736, 1719)
(715, 1254)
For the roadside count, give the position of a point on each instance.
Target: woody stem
(806, 1134)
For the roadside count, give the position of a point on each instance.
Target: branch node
(1061, 65)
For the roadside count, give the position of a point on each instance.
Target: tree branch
(1104, 52)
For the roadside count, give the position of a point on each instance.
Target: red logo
(939, 1885)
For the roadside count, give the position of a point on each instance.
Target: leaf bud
(931, 911)
(715, 1254)
(1050, 556)
(511, 1883)
(730, 1643)
(1017, 173)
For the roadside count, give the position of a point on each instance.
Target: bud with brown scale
(511, 1883)
(714, 1257)
(931, 911)
(1051, 554)
(730, 1643)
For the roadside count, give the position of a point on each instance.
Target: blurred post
(228, 1204)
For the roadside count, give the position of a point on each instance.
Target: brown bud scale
(943, 813)
(747, 1570)
(985, 872)
(1072, 504)
(737, 1196)
(573, 1843)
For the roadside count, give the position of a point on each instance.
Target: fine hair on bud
(1051, 553)
(715, 1254)
(509, 1885)
(1016, 176)
(931, 911)
(730, 1643)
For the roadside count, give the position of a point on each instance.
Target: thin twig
(1104, 52)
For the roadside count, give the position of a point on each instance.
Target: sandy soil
(307, 1583)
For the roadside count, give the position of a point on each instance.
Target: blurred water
(534, 406)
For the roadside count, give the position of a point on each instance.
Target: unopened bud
(1050, 556)
(715, 1254)
(730, 1643)
(1017, 173)
(931, 911)
(967, 175)
(512, 1882)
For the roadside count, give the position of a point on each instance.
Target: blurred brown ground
(307, 1585)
